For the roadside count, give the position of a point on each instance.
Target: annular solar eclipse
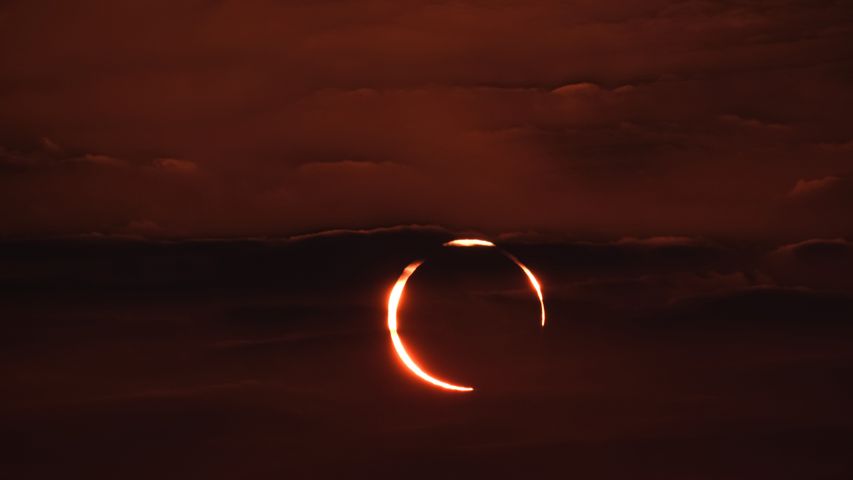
(396, 297)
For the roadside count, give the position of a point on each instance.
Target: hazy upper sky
(191, 118)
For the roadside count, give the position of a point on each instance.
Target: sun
(396, 296)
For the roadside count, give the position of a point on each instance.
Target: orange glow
(396, 296)
(533, 283)
(469, 242)
(393, 303)
(475, 242)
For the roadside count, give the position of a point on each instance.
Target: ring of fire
(396, 296)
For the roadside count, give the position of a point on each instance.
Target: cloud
(584, 88)
(842, 147)
(663, 241)
(48, 155)
(489, 123)
(98, 160)
(824, 264)
(816, 248)
(425, 229)
(176, 165)
(820, 206)
(49, 145)
(590, 89)
(807, 187)
(745, 122)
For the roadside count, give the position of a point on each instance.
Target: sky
(184, 119)
(204, 206)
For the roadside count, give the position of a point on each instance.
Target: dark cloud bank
(664, 357)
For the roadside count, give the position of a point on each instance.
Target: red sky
(217, 118)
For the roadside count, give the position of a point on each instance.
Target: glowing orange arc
(393, 303)
(397, 294)
(469, 242)
(533, 283)
(476, 242)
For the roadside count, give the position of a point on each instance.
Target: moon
(396, 296)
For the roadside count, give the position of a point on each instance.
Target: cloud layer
(234, 118)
